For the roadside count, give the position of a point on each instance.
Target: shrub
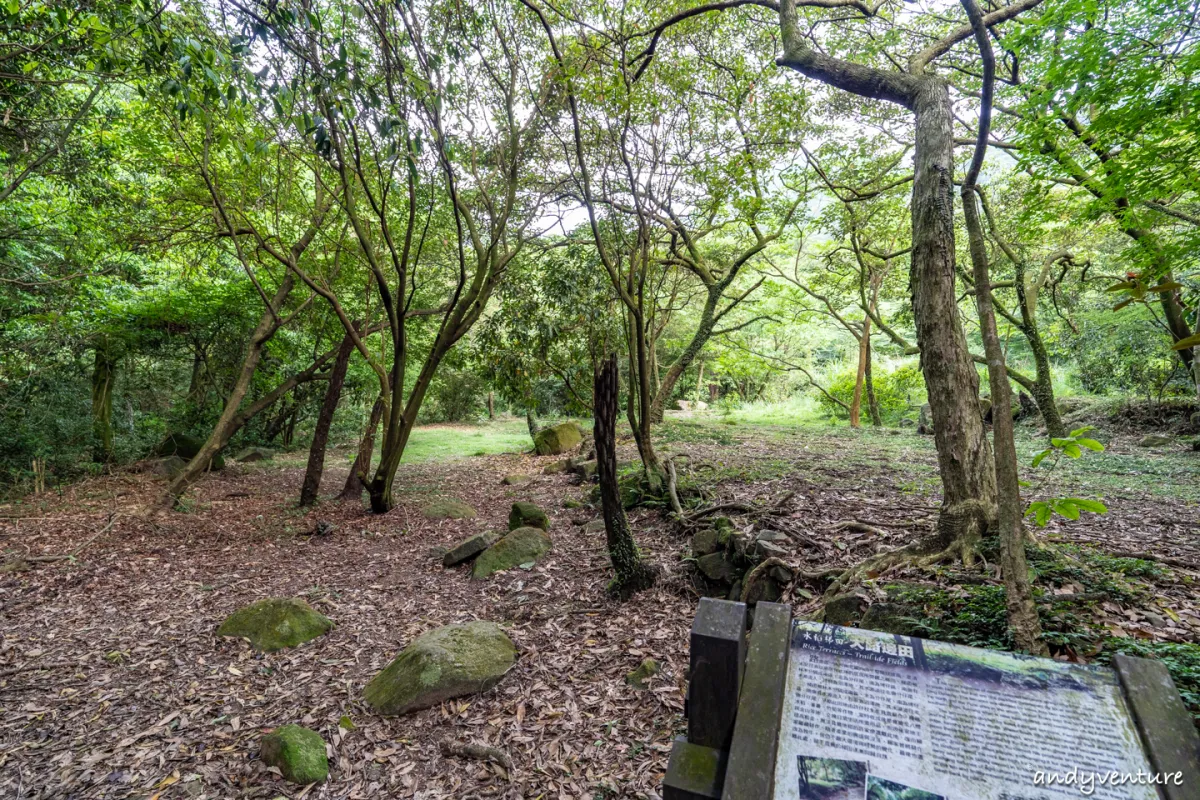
(455, 396)
(896, 391)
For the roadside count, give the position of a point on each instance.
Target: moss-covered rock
(705, 542)
(276, 623)
(522, 546)
(766, 582)
(558, 439)
(586, 470)
(556, 467)
(844, 609)
(469, 548)
(516, 479)
(527, 515)
(298, 753)
(447, 508)
(448, 662)
(573, 503)
(640, 677)
(716, 567)
(893, 618)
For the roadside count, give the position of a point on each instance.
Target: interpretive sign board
(800, 710)
(873, 715)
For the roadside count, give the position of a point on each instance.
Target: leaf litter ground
(113, 684)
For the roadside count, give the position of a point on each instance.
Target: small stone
(586, 470)
(527, 515)
(572, 503)
(447, 508)
(772, 536)
(469, 548)
(843, 609)
(769, 550)
(640, 677)
(253, 454)
(595, 526)
(1155, 440)
(716, 568)
(324, 528)
(1154, 619)
(298, 753)
(522, 546)
(781, 573)
(556, 467)
(276, 623)
(447, 662)
(515, 479)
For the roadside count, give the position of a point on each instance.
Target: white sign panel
(873, 716)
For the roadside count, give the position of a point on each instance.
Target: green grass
(450, 442)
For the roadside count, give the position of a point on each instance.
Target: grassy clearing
(450, 442)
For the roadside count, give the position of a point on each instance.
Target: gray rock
(763, 550)
(469, 548)
(515, 480)
(252, 454)
(447, 508)
(705, 541)
(716, 568)
(1156, 440)
(594, 526)
(556, 467)
(444, 663)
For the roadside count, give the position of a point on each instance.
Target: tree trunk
(860, 374)
(316, 450)
(632, 575)
(362, 460)
(690, 353)
(228, 423)
(872, 400)
(964, 456)
(700, 380)
(104, 375)
(1022, 611)
(491, 405)
(1043, 385)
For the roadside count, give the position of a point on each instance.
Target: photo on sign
(880, 789)
(831, 778)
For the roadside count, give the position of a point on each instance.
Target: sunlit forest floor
(113, 684)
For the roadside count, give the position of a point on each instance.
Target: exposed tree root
(477, 752)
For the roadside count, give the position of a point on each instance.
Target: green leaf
(1040, 457)
(1040, 511)
(1090, 444)
(1072, 450)
(1082, 431)
(1190, 341)
(1066, 508)
(1094, 506)
(1060, 442)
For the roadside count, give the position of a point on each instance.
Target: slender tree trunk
(396, 434)
(362, 459)
(964, 456)
(316, 451)
(860, 374)
(1022, 611)
(632, 574)
(104, 376)
(1043, 385)
(228, 423)
(872, 400)
(700, 379)
(491, 405)
(694, 347)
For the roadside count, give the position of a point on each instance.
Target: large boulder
(468, 549)
(447, 508)
(186, 447)
(527, 515)
(557, 439)
(276, 623)
(442, 664)
(298, 752)
(522, 546)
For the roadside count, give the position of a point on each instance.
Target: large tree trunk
(316, 450)
(229, 423)
(362, 460)
(964, 456)
(632, 575)
(104, 375)
(531, 423)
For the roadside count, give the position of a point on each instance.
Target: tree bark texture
(316, 450)
(362, 460)
(632, 575)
